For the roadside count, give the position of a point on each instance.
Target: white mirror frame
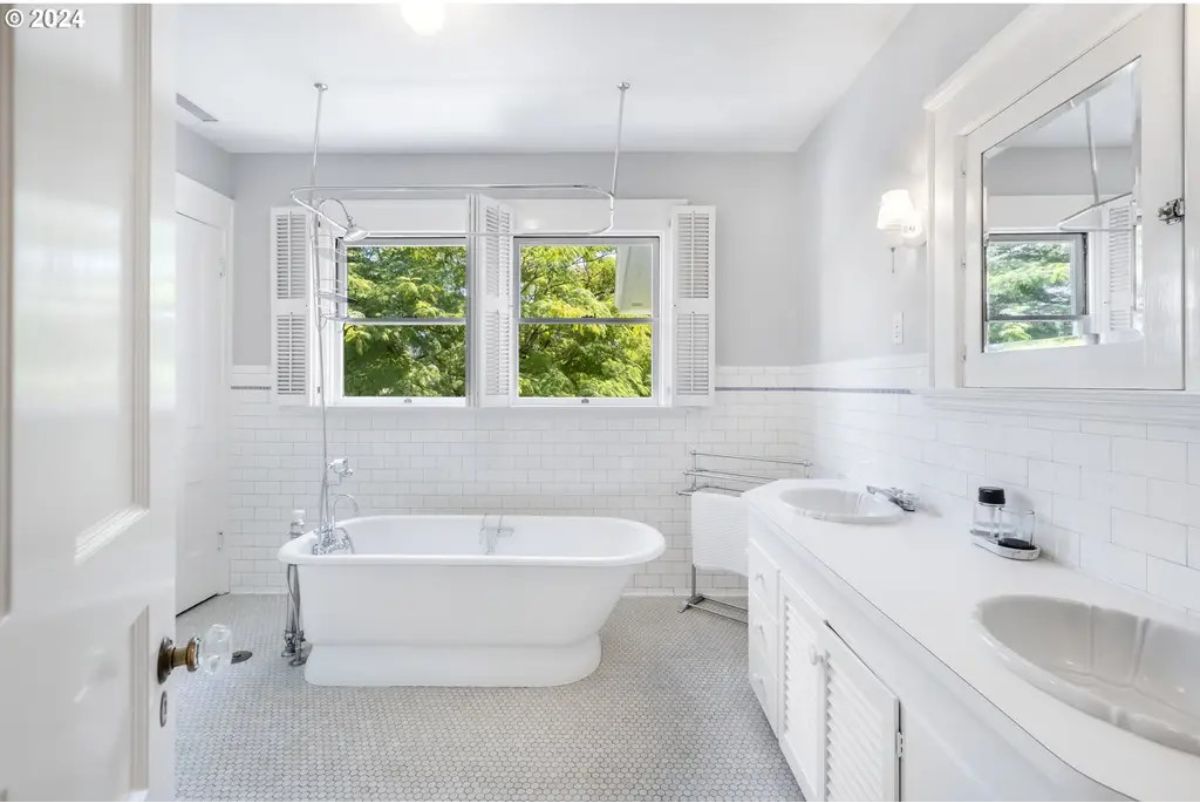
(1040, 42)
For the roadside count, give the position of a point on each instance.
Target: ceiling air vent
(194, 110)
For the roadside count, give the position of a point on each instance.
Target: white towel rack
(733, 481)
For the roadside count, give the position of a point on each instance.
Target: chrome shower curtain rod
(313, 197)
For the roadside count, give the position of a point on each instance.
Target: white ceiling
(523, 78)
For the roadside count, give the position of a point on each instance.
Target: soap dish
(996, 546)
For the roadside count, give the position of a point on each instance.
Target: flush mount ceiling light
(425, 17)
(899, 218)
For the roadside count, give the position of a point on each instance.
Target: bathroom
(792, 402)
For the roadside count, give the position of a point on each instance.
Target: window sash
(656, 345)
(1079, 261)
(336, 342)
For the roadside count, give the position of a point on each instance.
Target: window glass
(587, 314)
(412, 298)
(1035, 290)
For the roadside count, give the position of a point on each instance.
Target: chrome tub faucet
(488, 535)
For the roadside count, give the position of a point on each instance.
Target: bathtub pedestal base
(357, 665)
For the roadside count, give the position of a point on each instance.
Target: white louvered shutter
(495, 375)
(862, 726)
(290, 330)
(1117, 257)
(801, 728)
(693, 233)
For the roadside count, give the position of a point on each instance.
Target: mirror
(1062, 224)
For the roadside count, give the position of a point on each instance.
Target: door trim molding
(6, 308)
(209, 207)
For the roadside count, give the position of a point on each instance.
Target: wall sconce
(898, 217)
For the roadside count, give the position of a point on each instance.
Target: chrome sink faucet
(488, 535)
(901, 498)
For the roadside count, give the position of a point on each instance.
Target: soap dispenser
(1001, 530)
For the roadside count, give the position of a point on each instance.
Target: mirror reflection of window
(1061, 224)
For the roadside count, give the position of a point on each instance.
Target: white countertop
(926, 575)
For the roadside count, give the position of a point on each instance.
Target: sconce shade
(896, 211)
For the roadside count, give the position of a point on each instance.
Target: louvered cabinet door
(801, 680)
(862, 723)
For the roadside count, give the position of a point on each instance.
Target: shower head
(354, 233)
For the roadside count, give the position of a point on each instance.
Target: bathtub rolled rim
(299, 550)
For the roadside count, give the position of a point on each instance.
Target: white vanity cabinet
(837, 723)
(863, 711)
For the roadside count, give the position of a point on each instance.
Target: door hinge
(899, 745)
(1171, 211)
(220, 541)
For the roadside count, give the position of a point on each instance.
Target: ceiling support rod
(623, 87)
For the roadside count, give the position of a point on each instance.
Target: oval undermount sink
(841, 506)
(1139, 674)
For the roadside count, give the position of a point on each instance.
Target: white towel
(719, 532)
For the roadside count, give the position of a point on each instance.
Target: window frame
(1080, 265)
(335, 336)
(655, 320)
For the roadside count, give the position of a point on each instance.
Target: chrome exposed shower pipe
(623, 87)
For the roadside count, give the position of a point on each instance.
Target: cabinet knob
(814, 658)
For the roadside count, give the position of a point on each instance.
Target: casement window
(587, 313)
(404, 332)
(507, 319)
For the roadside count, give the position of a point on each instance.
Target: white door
(203, 230)
(802, 679)
(87, 565)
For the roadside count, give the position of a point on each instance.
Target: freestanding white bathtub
(420, 603)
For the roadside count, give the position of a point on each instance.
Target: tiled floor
(668, 715)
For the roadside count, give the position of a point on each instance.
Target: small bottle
(990, 520)
(296, 528)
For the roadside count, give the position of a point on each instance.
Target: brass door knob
(212, 653)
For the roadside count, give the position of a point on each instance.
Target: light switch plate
(898, 328)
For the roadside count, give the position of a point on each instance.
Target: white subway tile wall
(1117, 499)
(619, 462)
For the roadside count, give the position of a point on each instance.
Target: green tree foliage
(414, 282)
(1028, 278)
(556, 360)
(584, 360)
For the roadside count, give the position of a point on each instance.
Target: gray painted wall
(202, 161)
(874, 140)
(757, 285)
(1058, 171)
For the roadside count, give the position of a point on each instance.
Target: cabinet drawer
(763, 577)
(764, 685)
(763, 631)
